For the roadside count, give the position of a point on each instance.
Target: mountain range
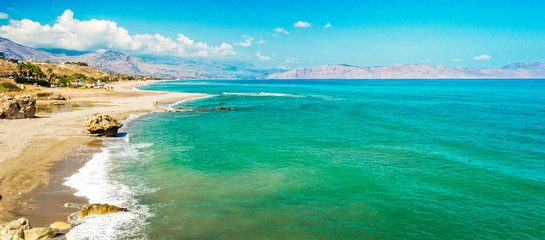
(415, 71)
(127, 64)
(124, 63)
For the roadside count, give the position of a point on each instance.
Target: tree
(52, 76)
(24, 69)
(50, 73)
(36, 71)
(64, 80)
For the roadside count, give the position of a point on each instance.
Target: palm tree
(49, 74)
(28, 70)
(36, 71)
(52, 76)
(21, 68)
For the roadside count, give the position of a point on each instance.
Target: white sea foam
(171, 106)
(97, 182)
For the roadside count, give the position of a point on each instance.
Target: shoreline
(39, 153)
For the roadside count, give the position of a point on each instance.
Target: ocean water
(327, 159)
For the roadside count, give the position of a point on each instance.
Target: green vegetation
(8, 87)
(42, 94)
(13, 60)
(23, 80)
(79, 77)
(30, 70)
(77, 63)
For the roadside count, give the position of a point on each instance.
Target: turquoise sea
(327, 159)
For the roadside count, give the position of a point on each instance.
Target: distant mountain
(414, 71)
(124, 63)
(186, 68)
(226, 68)
(24, 53)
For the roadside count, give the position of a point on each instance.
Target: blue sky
(364, 33)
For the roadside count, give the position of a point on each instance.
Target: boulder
(57, 96)
(14, 230)
(60, 225)
(99, 209)
(22, 106)
(101, 125)
(40, 233)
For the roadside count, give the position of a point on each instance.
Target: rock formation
(15, 229)
(21, 230)
(225, 109)
(60, 225)
(22, 106)
(99, 209)
(40, 233)
(101, 125)
(52, 96)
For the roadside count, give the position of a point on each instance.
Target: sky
(289, 34)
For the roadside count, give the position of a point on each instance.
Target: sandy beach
(38, 153)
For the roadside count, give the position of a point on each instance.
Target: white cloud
(281, 30)
(302, 24)
(261, 41)
(482, 57)
(328, 25)
(457, 60)
(247, 41)
(4, 15)
(261, 57)
(73, 34)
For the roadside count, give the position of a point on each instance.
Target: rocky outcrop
(22, 106)
(14, 230)
(99, 209)
(101, 125)
(56, 97)
(40, 233)
(225, 109)
(60, 225)
(51, 96)
(21, 230)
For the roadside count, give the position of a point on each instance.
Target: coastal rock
(60, 225)
(14, 230)
(99, 209)
(56, 97)
(51, 96)
(101, 125)
(40, 233)
(22, 106)
(225, 109)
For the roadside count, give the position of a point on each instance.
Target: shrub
(8, 87)
(23, 80)
(42, 94)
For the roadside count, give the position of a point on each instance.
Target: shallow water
(334, 159)
(51, 109)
